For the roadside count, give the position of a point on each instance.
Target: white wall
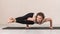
(16, 8)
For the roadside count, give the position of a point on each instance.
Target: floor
(29, 31)
(19, 31)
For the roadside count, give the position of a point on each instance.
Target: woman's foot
(10, 20)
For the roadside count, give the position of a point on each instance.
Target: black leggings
(23, 19)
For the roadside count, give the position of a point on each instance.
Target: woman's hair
(40, 14)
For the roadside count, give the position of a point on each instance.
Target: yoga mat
(30, 28)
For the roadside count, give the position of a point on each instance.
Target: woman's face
(39, 19)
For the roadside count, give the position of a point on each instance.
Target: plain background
(16, 8)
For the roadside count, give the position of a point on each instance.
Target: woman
(29, 19)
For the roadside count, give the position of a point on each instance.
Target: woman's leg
(12, 20)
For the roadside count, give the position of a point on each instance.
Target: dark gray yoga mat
(30, 28)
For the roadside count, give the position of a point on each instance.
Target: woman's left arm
(50, 20)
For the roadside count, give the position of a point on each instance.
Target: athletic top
(23, 19)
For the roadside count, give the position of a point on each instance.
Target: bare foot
(10, 20)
